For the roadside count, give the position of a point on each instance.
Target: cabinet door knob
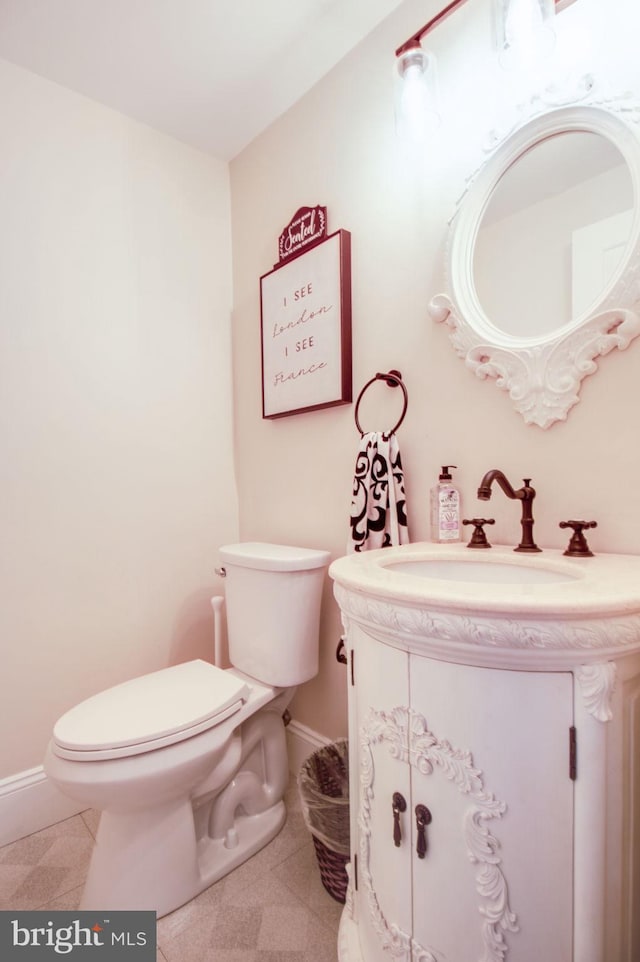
(398, 805)
(423, 818)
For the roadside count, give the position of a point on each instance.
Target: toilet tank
(273, 595)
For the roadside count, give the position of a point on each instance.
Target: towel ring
(393, 379)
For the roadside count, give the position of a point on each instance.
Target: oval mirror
(544, 257)
(553, 234)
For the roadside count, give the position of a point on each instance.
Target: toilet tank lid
(163, 705)
(273, 557)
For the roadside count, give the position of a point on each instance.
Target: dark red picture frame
(305, 324)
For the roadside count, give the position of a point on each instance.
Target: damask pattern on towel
(378, 506)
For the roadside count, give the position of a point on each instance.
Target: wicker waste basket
(323, 783)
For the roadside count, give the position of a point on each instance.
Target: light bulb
(528, 37)
(416, 114)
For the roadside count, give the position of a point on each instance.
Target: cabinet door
(490, 760)
(379, 750)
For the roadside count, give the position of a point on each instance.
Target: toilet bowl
(188, 765)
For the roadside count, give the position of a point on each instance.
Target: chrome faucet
(526, 494)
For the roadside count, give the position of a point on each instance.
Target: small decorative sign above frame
(307, 226)
(305, 306)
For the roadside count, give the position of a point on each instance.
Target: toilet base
(156, 863)
(253, 831)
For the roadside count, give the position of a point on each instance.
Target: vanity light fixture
(416, 96)
(525, 35)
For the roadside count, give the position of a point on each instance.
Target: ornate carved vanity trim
(408, 738)
(598, 683)
(473, 639)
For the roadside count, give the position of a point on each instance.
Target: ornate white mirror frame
(542, 373)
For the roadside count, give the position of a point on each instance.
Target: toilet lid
(163, 707)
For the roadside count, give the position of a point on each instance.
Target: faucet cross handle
(479, 537)
(578, 547)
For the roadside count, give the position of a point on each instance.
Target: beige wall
(115, 414)
(337, 147)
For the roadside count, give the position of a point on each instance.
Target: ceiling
(211, 73)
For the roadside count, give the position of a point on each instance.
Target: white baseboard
(29, 802)
(301, 741)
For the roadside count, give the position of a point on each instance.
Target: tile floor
(272, 909)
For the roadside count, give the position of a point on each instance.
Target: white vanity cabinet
(486, 752)
(495, 780)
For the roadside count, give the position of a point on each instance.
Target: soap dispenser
(445, 509)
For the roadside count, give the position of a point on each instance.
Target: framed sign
(305, 308)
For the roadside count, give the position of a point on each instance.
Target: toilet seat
(149, 712)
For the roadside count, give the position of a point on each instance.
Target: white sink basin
(482, 571)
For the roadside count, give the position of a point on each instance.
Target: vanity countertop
(496, 580)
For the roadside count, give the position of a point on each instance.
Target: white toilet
(188, 765)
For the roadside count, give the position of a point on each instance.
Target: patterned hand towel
(378, 506)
